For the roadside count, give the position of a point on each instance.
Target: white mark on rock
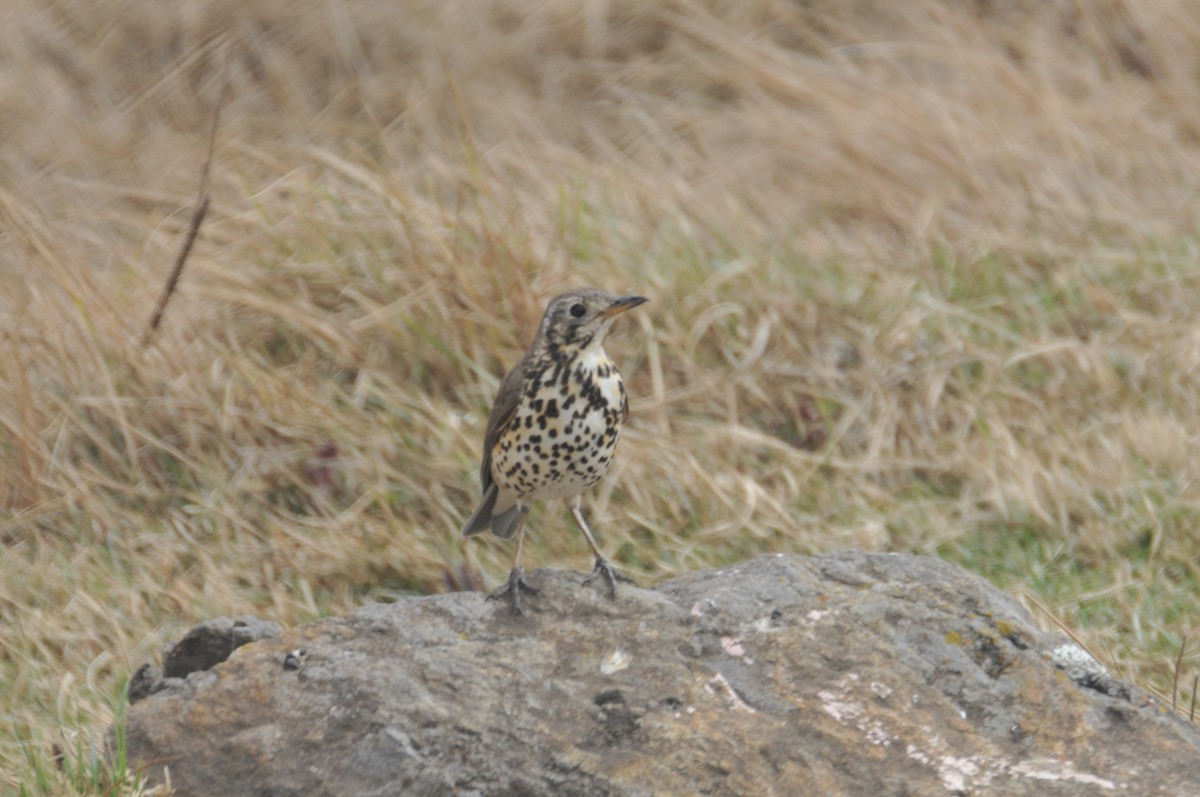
(401, 738)
(1055, 770)
(733, 646)
(841, 710)
(849, 712)
(917, 754)
(816, 614)
(877, 735)
(1068, 654)
(968, 774)
(956, 772)
(615, 662)
(735, 700)
(881, 690)
(1077, 662)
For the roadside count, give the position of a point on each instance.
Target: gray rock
(203, 647)
(208, 644)
(148, 680)
(848, 674)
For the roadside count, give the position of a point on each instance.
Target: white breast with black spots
(563, 436)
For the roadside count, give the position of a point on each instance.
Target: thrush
(554, 427)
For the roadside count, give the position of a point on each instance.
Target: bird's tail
(502, 523)
(481, 520)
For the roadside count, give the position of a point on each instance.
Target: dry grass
(924, 278)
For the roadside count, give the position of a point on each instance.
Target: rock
(148, 680)
(848, 674)
(203, 647)
(208, 644)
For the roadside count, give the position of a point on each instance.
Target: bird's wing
(503, 409)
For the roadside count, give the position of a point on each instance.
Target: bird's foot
(513, 588)
(603, 568)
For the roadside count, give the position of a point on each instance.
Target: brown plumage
(554, 426)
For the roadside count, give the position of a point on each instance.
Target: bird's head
(581, 318)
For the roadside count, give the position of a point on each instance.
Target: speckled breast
(562, 437)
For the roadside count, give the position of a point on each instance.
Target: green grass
(79, 758)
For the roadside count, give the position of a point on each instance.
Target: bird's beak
(622, 304)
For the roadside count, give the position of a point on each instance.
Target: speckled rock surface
(847, 674)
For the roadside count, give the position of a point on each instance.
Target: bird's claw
(603, 568)
(513, 588)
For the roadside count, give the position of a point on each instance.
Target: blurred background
(924, 278)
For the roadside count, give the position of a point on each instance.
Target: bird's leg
(602, 568)
(516, 578)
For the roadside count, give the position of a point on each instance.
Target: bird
(553, 428)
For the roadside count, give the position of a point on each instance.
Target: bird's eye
(578, 310)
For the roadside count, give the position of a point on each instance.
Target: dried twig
(201, 210)
(1175, 676)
